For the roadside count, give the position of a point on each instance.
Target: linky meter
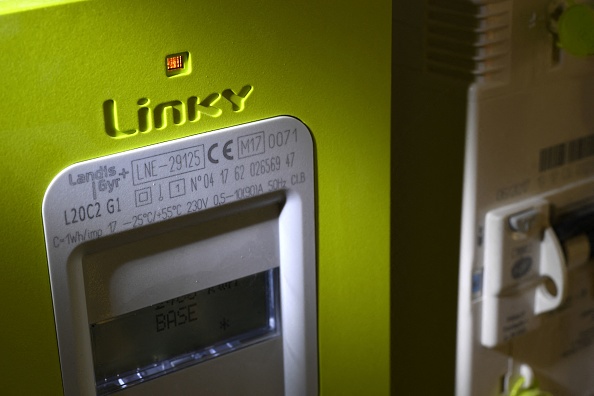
(195, 198)
(166, 257)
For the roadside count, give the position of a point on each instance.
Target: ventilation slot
(467, 41)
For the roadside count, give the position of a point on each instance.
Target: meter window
(184, 331)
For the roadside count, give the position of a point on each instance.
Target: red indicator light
(175, 62)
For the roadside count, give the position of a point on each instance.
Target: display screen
(184, 331)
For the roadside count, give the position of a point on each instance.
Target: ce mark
(226, 151)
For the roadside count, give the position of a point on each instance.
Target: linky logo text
(158, 116)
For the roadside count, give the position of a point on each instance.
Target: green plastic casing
(326, 63)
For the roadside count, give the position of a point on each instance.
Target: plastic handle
(552, 266)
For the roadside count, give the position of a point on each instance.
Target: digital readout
(184, 331)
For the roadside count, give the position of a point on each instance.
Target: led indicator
(177, 64)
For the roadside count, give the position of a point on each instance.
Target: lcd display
(186, 330)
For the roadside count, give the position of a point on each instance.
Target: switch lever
(553, 266)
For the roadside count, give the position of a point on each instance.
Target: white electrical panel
(526, 291)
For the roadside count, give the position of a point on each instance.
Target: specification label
(125, 191)
(161, 166)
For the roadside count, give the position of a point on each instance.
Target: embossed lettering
(178, 110)
(238, 100)
(197, 107)
(157, 117)
(110, 117)
(145, 118)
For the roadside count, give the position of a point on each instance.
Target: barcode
(581, 148)
(552, 157)
(565, 153)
